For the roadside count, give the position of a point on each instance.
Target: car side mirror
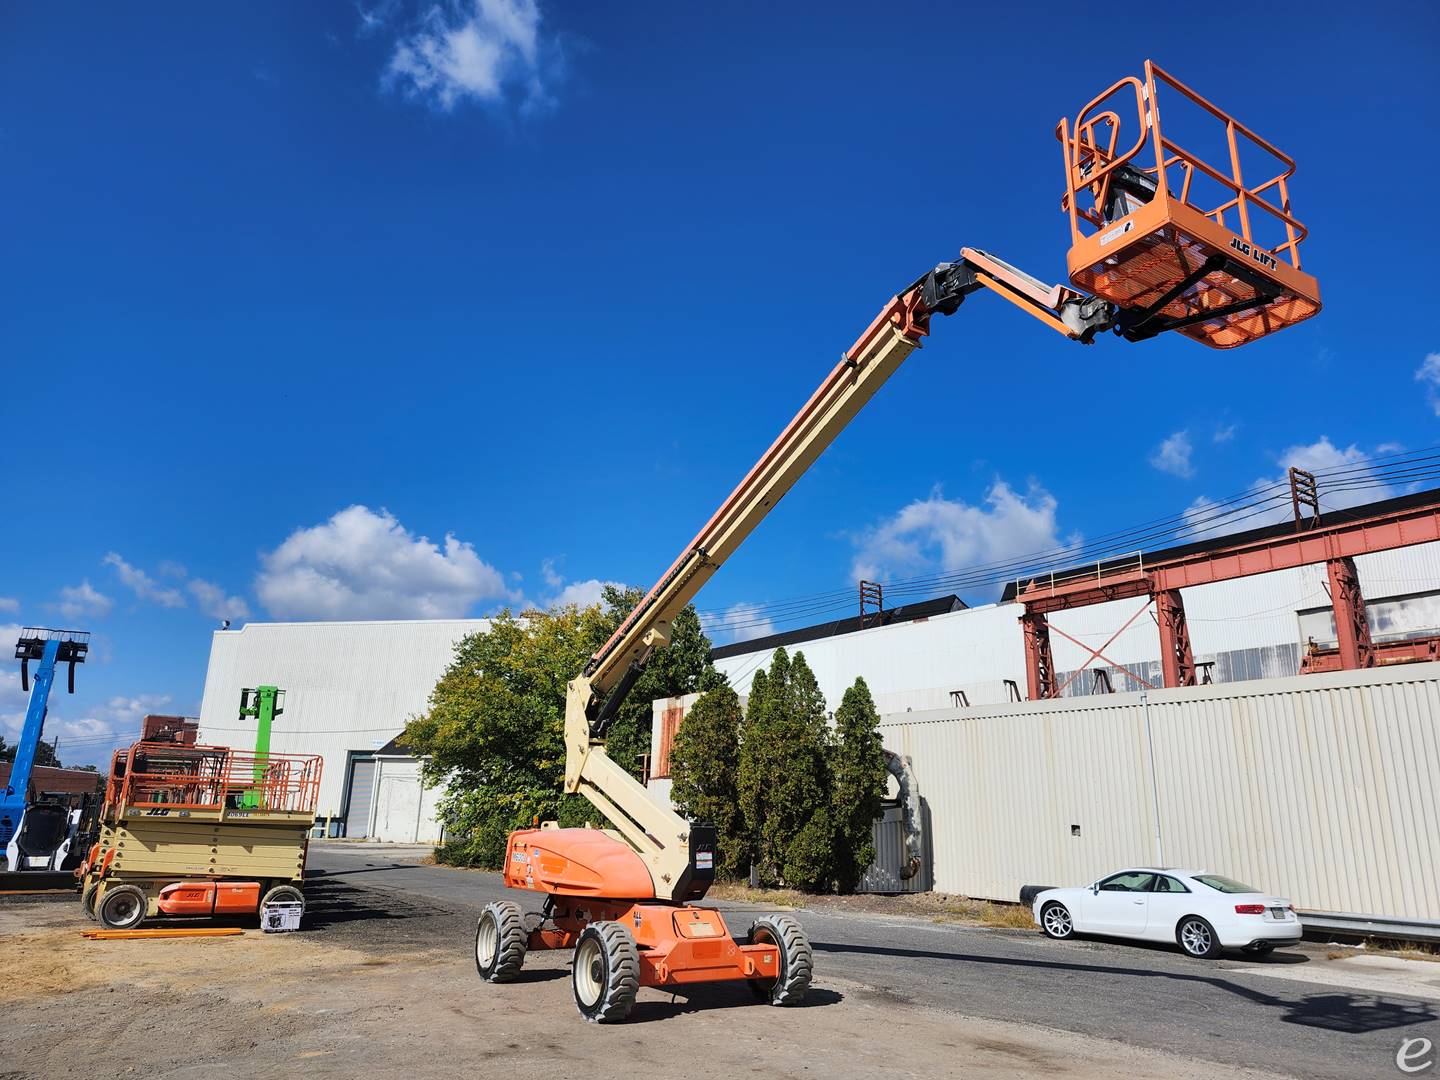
(1095, 888)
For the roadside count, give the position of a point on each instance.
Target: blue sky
(317, 311)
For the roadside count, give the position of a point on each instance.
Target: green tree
(784, 776)
(494, 729)
(44, 753)
(859, 772)
(704, 768)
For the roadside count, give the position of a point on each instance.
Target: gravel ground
(382, 982)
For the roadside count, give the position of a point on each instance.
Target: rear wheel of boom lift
(500, 942)
(606, 973)
(122, 907)
(797, 962)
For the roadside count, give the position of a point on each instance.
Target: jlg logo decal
(1260, 255)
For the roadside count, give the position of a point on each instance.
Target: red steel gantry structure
(1334, 538)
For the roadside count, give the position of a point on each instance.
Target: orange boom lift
(1153, 250)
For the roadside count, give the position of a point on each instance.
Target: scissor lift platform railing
(211, 783)
(1144, 239)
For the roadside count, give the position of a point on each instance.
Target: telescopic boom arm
(594, 698)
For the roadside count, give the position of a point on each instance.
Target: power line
(1376, 472)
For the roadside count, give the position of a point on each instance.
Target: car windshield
(1224, 884)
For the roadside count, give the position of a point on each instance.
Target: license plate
(1277, 913)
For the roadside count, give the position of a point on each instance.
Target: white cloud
(13, 700)
(550, 575)
(742, 622)
(211, 599)
(947, 534)
(1429, 373)
(582, 594)
(1173, 455)
(1201, 516)
(485, 51)
(9, 603)
(366, 565)
(1225, 433)
(82, 601)
(143, 585)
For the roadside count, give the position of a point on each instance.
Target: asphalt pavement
(1140, 994)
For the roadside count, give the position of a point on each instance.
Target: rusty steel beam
(1039, 660)
(1177, 660)
(1352, 628)
(1323, 543)
(1410, 651)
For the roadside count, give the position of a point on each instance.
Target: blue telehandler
(39, 835)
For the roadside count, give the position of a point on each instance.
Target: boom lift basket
(1176, 242)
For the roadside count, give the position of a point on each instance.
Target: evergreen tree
(858, 767)
(784, 776)
(750, 772)
(704, 771)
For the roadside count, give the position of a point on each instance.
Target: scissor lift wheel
(122, 907)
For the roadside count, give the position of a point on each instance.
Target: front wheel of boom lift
(606, 973)
(797, 962)
(500, 942)
(122, 907)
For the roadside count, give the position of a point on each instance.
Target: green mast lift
(264, 703)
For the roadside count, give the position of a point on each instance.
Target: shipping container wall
(1323, 787)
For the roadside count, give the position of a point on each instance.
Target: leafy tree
(704, 767)
(44, 753)
(494, 730)
(858, 768)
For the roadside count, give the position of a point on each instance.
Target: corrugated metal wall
(1323, 787)
(348, 685)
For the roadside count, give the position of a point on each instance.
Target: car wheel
(1197, 938)
(1056, 922)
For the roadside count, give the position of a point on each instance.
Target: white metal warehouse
(350, 688)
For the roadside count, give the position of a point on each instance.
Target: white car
(1201, 912)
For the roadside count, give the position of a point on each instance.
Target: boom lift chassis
(624, 897)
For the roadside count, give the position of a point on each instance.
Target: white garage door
(399, 809)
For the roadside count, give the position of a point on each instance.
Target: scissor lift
(1176, 242)
(200, 831)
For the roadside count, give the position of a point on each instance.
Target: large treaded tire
(500, 942)
(605, 975)
(797, 960)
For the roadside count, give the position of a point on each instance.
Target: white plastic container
(281, 915)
